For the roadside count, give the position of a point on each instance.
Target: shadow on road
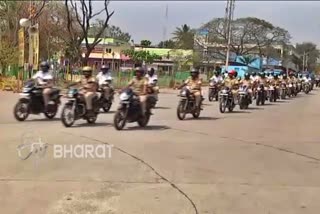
(85, 124)
(162, 107)
(282, 101)
(240, 112)
(148, 128)
(203, 118)
(42, 120)
(109, 112)
(255, 108)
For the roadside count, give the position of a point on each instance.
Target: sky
(146, 19)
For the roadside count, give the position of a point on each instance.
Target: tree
(311, 54)
(145, 43)
(8, 55)
(52, 29)
(167, 44)
(84, 17)
(249, 36)
(138, 57)
(183, 37)
(111, 31)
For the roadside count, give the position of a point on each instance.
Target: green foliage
(183, 37)
(8, 55)
(140, 56)
(249, 35)
(248, 59)
(311, 52)
(167, 44)
(111, 31)
(145, 43)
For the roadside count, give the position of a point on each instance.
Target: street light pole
(230, 10)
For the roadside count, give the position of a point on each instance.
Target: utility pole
(165, 26)
(229, 17)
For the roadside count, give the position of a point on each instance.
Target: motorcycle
(273, 95)
(213, 91)
(130, 110)
(152, 96)
(226, 100)
(31, 102)
(260, 95)
(244, 98)
(106, 102)
(75, 108)
(306, 87)
(187, 104)
(283, 91)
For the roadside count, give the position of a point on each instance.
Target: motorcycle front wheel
(21, 110)
(119, 120)
(181, 111)
(223, 105)
(67, 116)
(210, 97)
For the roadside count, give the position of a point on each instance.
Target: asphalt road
(264, 160)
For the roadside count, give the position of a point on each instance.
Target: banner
(21, 47)
(35, 45)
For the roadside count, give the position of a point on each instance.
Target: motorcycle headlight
(211, 84)
(124, 97)
(70, 94)
(224, 91)
(25, 90)
(183, 93)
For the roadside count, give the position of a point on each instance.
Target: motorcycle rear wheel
(196, 114)
(106, 106)
(143, 121)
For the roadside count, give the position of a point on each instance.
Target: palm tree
(247, 60)
(183, 36)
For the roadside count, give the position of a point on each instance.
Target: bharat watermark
(82, 151)
(32, 145)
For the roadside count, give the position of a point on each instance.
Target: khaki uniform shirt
(194, 84)
(89, 87)
(231, 83)
(139, 85)
(247, 83)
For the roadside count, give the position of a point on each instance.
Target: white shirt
(101, 77)
(42, 76)
(216, 79)
(151, 79)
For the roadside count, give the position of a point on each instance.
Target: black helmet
(275, 76)
(254, 73)
(193, 70)
(284, 76)
(262, 74)
(246, 76)
(87, 71)
(44, 66)
(151, 71)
